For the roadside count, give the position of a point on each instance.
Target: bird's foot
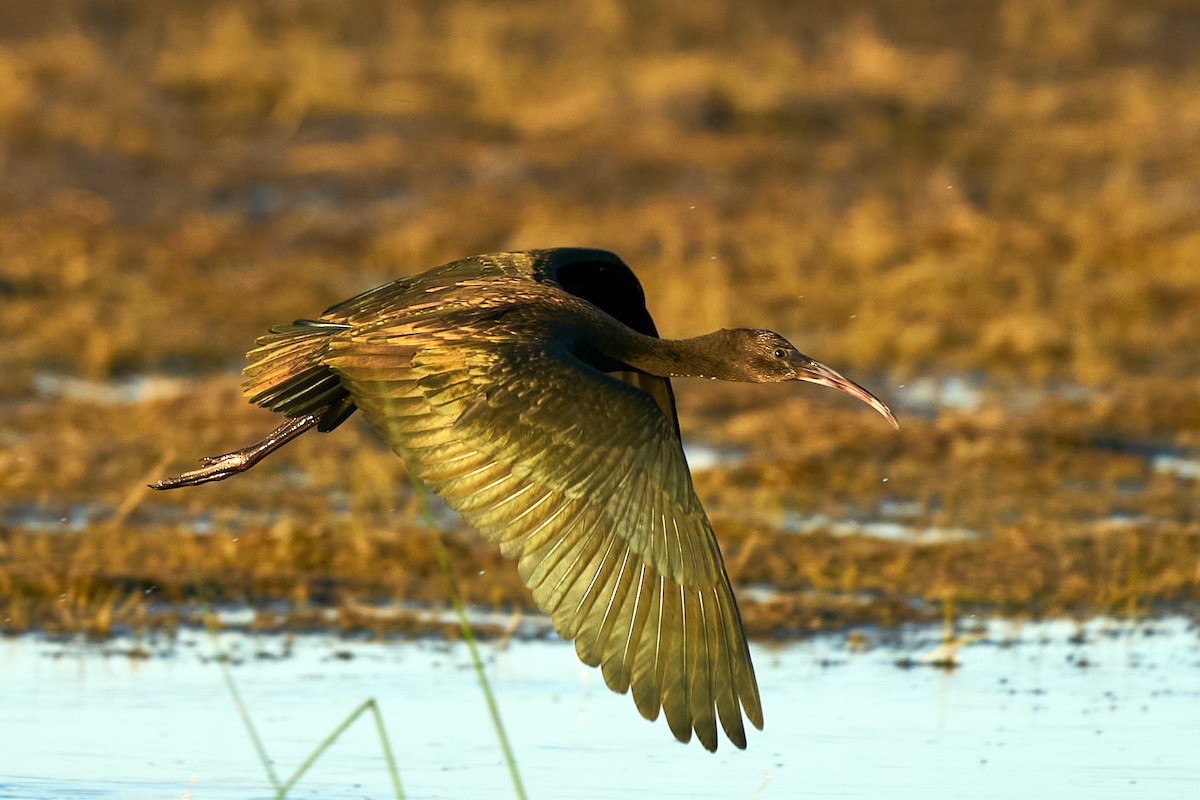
(218, 468)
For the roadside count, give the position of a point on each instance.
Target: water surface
(1047, 710)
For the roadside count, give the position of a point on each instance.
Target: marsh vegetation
(1000, 196)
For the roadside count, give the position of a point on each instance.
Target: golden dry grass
(1006, 191)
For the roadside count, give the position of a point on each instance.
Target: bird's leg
(218, 468)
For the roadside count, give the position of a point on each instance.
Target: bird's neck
(697, 357)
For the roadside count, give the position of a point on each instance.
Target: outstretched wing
(582, 480)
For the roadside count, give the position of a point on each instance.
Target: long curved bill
(816, 372)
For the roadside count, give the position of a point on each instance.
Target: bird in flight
(532, 391)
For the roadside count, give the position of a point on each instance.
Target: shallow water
(1033, 711)
(892, 530)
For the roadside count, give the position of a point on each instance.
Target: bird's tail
(286, 372)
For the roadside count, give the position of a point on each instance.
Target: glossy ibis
(531, 391)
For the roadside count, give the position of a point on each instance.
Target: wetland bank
(985, 212)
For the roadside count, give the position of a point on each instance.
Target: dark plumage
(531, 391)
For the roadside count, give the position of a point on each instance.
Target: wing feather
(724, 686)
(673, 663)
(638, 618)
(704, 720)
(606, 562)
(647, 686)
(618, 620)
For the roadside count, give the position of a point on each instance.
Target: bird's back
(286, 371)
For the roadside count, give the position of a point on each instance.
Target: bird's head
(767, 357)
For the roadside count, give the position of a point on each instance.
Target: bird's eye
(780, 352)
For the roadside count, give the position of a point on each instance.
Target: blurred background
(986, 212)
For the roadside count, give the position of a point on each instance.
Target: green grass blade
(282, 788)
(468, 635)
(223, 660)
(386, 744)
(281, 791)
